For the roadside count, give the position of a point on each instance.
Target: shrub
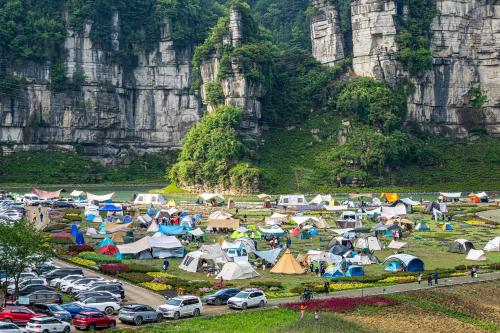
(135, 277)
(62, 241)
(139, 268)
(83, 262)
(55, 226)
(100, 258)
(161, 275)
(155, 286)
(81, 248)
(267, 284)
(113, 269)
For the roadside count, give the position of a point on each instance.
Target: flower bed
(83, 262)
(341, 304)
(161, 275)
(81, 248)
(135, 277)
(139, 268)
(100, 258)
(55, 226)
(339, 286)
(113, 269)
(155, 286)
(280, 294)
(399, 279)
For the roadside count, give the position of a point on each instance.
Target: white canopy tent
(100, 198)
(157, 246)
(399, 209)
(311, 220)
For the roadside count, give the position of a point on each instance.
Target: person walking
(166, 263)
(288, 243)
(311, 267)
(436, 277)
(419, 278)
(429, 280)
(327, 287)
(303, 309)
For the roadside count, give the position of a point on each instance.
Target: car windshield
(174, 301)
(242, 294)
(72, 305)
(55, 307)
(223, 291)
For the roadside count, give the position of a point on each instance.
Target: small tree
(21, 246)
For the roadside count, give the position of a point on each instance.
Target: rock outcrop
(465, 43)
(116, 109)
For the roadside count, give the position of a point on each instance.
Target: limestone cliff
(465, 43)
(116, 109)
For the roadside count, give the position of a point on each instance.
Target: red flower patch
(341, 304)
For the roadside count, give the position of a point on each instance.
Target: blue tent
(173, 230)
(333, 272)
(411, 263)
(110, 208)
(90, 218)
(184, 214)
(338, 249)
(313, 232)
(355, 271)
(393, 266)
(101, 228)
(127, 219)
(447, 226)
(105, 241)
(79, 239)
(388, 234)
(74, 230)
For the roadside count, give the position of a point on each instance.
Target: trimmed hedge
(113, 269)
(135, 277)
(139, 268)
(80, 248)
(99, 258)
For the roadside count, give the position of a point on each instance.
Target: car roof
(185, 297)
(41, 318)
(90, 312)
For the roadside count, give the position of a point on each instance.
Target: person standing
(327, 287)
(288, 243)
(303, 309)
(419, 278)
(166, 263)
(316, 315)
(436, 277)
(311, 267)
(429, 280)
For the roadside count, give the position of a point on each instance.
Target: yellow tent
(287, 265)
(171, 203)
(390, 197)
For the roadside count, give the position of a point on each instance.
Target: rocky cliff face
(116, 110)
(237, 89)
(465, 43)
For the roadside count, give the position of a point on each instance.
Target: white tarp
(482, 195)
(335, 208)
(237, 271)
(270, 255)
(399, 209)
(153, 227)
(313, 220)
(76, 193)
(397, 245)
(211, 196)
(100, 198)
(477, 255)
(410, 202)
(197, 232)
(161, 241)
(451, 195)
(220, 215)
(320, 199)
(272, 230)
(493, 245)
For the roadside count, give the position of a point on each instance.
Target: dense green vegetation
(212, 153)
(58, 167)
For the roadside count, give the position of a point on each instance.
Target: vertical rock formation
(238, 89)
(465, 42)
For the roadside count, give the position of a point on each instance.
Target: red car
(18, 315)
(93, 320)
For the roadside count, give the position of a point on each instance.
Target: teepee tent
(422, 226)
(477, 255)
(287, 265)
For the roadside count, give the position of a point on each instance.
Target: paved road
(490, 215)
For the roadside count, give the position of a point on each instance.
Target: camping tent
(371, 243)
(248, 244)
(310, 220)
(390, 197)
(173, 230)
(149, 199)
(46, 195)
(100, 198)
(287, 265)
(321, 200)
(195, 261)
(333, 271)
(411, 263)
(91, 231)
(338, 249)
(410, 202)
(274, 230)
(216, 251)
(422, 226)
(270, 255)
(461, 246)
(493, 245)
(477, 255)
(292, 200)
(237, 271)
(220, 215)
(196, 232)
(395, 245)
(110, 208)
(153, 227)
(117, 237)
(210, 198)
(450, 195)
(160, 246)
(399, 209)
(447, 226)
(354, 270)
(105, 241)
(108, 249)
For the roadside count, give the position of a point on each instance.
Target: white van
(181, 306)
(31, 199)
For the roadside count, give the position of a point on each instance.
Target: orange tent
(474, 199)
(390, 197)
(295, 232)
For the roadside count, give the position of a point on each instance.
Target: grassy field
(469, 308)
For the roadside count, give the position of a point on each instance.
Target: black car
(32, 288)
(116, 289)
(62, 203)
(45, 297)
(60, 272)
(80, 297)
(52, 310)
(221, 296)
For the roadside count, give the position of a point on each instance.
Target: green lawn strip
(277, 320)
(452, 313)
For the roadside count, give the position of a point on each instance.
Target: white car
(47, 324)
(181, 306)
(10, 328)
(247, 298)
(68, 278)
(76, 284)
(106, 304)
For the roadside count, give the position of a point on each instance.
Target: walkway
(490, 215)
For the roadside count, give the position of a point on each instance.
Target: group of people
(429, 278)
(319, 269)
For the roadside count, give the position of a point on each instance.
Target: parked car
(47, 324)
(115, 289)
(221, 296)
(57, 282)
(31, 288)
(87, 294)
(10, 328)
(18, 315)
(138, 314)
(24, 276)
(92, 320)
(24, 283)
(76, 308)
(181, 306)
(78, 285)
(31, 199)
(62, 203)
(61, 272)
(247, 298)
(53, 310)
(104, 304)
(45, 297)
